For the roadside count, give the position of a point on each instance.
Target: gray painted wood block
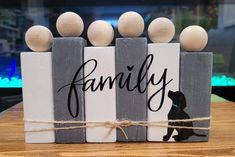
(67, 57)
(131, 105)
(195, 83)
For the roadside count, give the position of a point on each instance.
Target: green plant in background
(213, 13)
(203, 15)
(2, 15)
(218, 58)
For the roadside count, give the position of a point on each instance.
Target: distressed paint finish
(131, 105)
(195, 83)
(67, 57)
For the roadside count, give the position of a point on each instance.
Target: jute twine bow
(119, 124)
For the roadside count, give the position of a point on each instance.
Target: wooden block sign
(195, 84)
(164, 72)
(37, 96)
(131, 97)
(67, 57)
(130, 92)
(100, 93)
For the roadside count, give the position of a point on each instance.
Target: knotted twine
(119, 124)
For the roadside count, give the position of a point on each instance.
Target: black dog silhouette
(177, 112)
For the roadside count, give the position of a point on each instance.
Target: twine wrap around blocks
(120, 124)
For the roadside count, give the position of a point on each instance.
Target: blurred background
(217, 17)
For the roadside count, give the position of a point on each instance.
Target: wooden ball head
(69, 24)
(193, 38)
(38, 38)
(100, 33)
(161, 30)
(130, 24)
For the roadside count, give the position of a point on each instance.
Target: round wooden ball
(69, 24)
(100, 33)
(161, 30)
(130, 24)
(38, 38)
(193, 38)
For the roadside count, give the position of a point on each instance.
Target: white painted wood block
(166, 55)
(100, 105)
(37, 95)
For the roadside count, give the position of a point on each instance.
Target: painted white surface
(166, 55)
(37, 95)
(100, 105)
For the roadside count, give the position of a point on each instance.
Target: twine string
(119, 124)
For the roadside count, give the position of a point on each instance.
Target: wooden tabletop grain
(222, 140)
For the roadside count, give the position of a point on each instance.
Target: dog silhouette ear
(182, 100)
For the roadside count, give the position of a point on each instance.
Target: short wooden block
(37, 95)
(131, 105)
(100, 104)
(166, 57)
(195, 84)
(67, 57)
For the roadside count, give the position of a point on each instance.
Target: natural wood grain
(221, 143)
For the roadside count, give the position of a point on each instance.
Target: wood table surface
(221, 143)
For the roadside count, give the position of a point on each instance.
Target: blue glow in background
(16, 82)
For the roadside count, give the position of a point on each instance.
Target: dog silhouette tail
(199, 135)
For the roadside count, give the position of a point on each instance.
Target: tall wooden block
(67, 57)
(166, 57)
(100, 104)
(195, 84)
(131, 105)
(37, 95)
